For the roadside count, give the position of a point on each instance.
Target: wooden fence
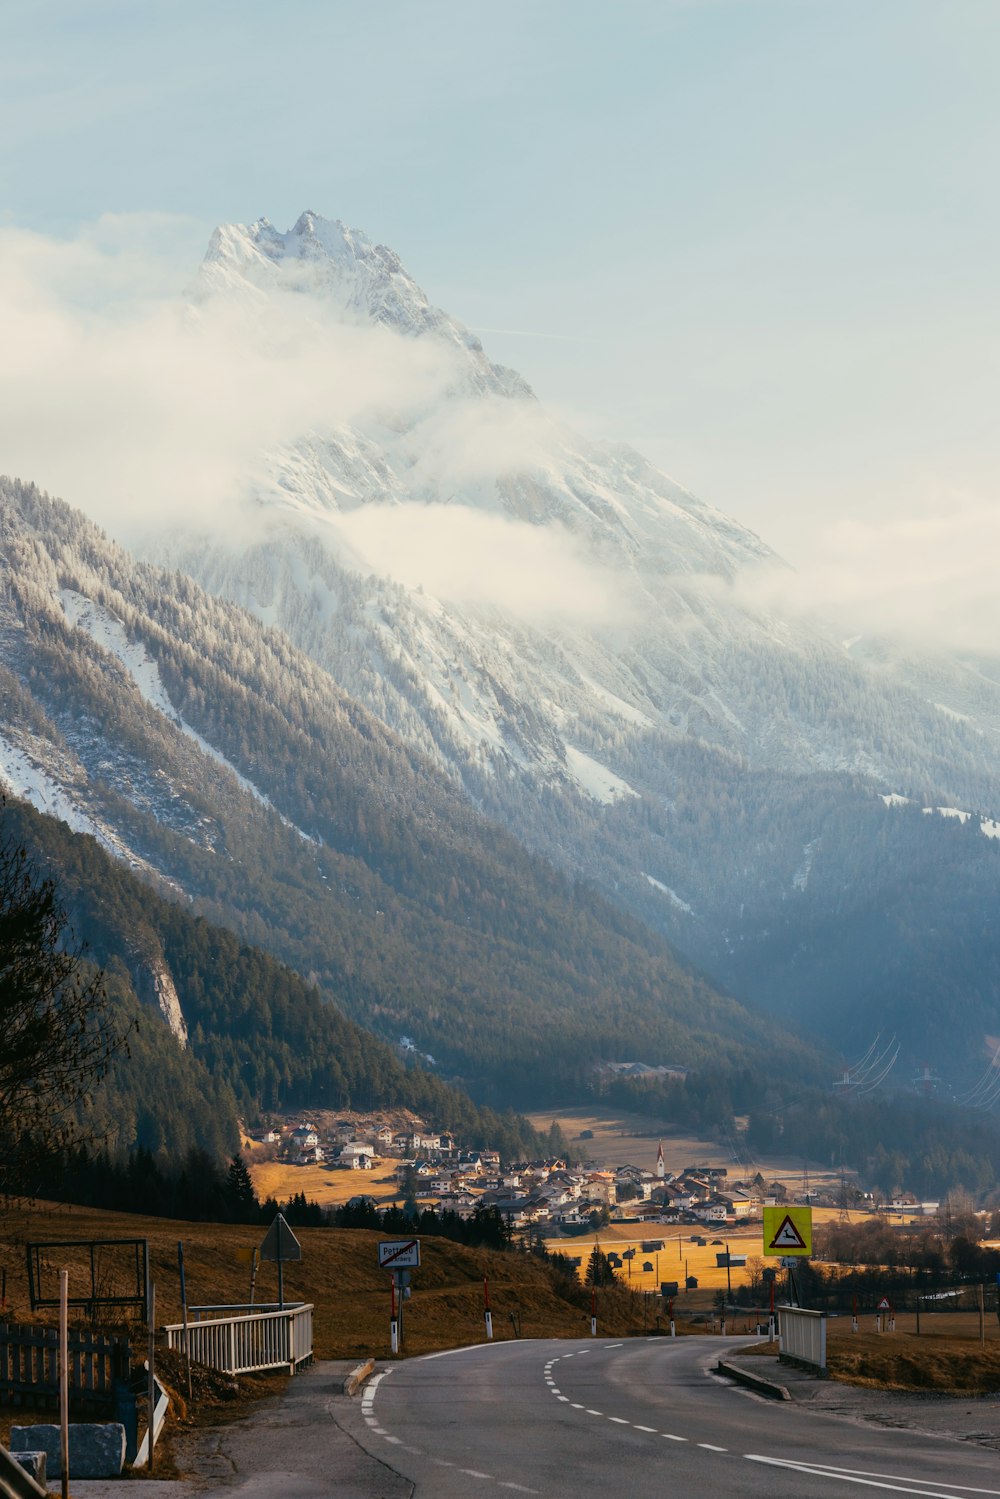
(29, 1373)
(247, 1344)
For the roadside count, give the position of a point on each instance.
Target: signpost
(399, 1254)
(885, 1316)
(280, 1244)
(788, 1232)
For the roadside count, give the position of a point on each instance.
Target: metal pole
(393, 1324)
(255, 1261)
(64, 1379)
(151, 1386)
(281, 1279)
(184, 1309)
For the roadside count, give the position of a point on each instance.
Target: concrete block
(95, 1450)
(33, 1463)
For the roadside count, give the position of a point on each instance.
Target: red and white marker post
(593, 1311)
(486, 1311)
(393, 1319)
(670, 1314)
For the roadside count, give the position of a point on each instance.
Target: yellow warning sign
(788, 1231)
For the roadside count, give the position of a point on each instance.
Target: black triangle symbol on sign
(788, 1236)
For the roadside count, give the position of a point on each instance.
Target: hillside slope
(221, 765)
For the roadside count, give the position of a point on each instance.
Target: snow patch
(800, 879)
(599, 783)
(107, 631)
(28, 781)
(671, 895)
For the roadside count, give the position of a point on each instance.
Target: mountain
(228, 771)
(249, 1037)
(571, 637)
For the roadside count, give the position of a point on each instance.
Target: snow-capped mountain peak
(363, 281)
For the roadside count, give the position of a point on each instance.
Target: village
(409, 1162)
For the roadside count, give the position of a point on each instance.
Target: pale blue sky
(756, 238)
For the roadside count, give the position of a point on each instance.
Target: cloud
(117, 395)
(148, 410)
(467, 557)
(930, 579)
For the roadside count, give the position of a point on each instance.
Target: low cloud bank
(931, 580)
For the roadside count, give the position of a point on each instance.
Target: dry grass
(279, 1180)
(620, 1138)
(338, 1273)
(945, 1356)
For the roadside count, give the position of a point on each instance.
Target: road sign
(280, 1243)
(885, 1305)
(397, 1254)
(788, 1231)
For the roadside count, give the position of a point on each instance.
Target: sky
(757, 239)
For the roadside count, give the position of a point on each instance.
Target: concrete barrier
(15, 1481)
(95, 1450)
(756, 1382)
(358, 1376)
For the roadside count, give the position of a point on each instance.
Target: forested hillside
(259, 1037)
(207, 752)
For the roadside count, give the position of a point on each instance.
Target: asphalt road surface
(634, 1420)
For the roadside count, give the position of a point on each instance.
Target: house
(358, 1157)
(601, 1185)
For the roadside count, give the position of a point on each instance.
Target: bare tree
(56, 1036)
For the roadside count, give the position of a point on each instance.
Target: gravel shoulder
(962, 1418)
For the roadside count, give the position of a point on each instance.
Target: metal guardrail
(802, 1335)
(245, 1309)
(249, 1343)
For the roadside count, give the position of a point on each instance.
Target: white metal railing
(803, 1335)
(244, 1309)
(249, 1343)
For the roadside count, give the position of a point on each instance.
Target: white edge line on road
(816, 1470)
(447, 1353)
(711, 1447)
(668, 1436)
(899, 1477)
(645, 1428)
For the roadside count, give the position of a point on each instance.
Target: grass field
(279, 1180)
(619, 1138)
(338, 1272)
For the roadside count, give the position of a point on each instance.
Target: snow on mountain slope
(505, 593)
(573, 636)
(109, 633)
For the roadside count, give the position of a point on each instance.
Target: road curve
(570, 1419)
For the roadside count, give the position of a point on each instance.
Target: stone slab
(96, 1450)
(33, 1463)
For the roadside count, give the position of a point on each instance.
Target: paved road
(567, 1420)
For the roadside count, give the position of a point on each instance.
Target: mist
(150, 410)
